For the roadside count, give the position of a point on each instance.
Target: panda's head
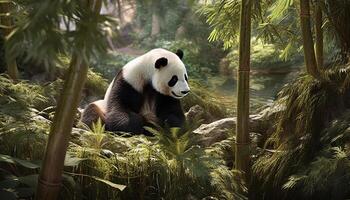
(170, 77)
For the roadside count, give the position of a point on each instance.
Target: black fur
(91, 114)
(124, 105)
(180, 53)
(161, 62)
(169, 111)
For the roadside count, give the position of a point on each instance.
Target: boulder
(196, 113)
(41, 119)
(220, 130)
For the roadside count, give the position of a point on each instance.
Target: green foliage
(327, 174)
(280, 8)
(263, 57)
(307, 143)
(229, 184)
(274, 22)
(223, 17)
(37, 34)
(171, 15)
(23, 137)
(17, 119)
(196, 58)
(16, 98)
(191, 54)
(206, 98)
(168, 166)
(181, 28)
(109, 64)
(95, 84)
(186, 166)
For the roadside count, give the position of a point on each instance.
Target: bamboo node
(244, 70)
(48, 184)
(305, 15)
(242, 143)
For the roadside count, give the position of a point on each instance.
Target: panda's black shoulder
(123, 93)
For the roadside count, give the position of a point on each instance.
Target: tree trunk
(242, 150)
(51, 172)
(155, 19)
(155, 25)
(6, 21)
(319, 35)
(120, 14)
(308, 44)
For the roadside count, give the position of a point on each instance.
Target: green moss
(95, 84)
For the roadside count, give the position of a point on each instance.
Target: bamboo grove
(292, 146)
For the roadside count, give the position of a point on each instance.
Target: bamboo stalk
(6, 21)
(319, 35)
(51, 172)
(49, 183)
(308, 44)
(242, 146)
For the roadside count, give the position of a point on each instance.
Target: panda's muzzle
(185, 92)
(175, 94)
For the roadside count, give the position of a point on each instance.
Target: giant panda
(146, 91)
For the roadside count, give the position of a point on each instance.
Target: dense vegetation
(301, 151)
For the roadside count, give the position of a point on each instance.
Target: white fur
(141, 71)
(102, 104)
(108, 92)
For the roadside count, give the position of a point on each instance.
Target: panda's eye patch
(173, 81)
(186, 77)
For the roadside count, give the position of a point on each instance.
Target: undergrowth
(103, 165)
(307, 154)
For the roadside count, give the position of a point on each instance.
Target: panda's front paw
(173, 121)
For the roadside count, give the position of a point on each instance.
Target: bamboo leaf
(107, 182)
(72, 161)
(30, 180)
(24, 163)
(114, 185)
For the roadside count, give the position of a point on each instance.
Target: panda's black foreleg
(172, 120)
(123, 121)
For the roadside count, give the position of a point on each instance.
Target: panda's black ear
(161, 62)
(180, 53)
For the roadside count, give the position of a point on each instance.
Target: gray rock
(41, 119)
(221, 129)
(107, 153)
(215, 131)
(196, 112)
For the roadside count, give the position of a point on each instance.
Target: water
(264, 88)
